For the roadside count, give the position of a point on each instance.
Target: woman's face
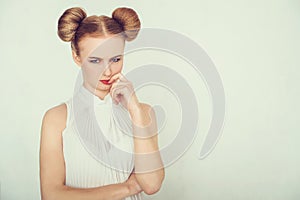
(100, 59)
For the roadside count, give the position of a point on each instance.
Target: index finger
(117, 76)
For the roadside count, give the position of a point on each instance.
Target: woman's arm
(52, 167)
(148, 164)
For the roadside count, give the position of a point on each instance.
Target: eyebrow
(93, 57)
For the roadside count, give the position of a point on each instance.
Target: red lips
(105, 82)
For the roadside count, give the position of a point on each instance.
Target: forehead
(102, 47)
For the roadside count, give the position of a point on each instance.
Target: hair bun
(69, 22)
(129, 20)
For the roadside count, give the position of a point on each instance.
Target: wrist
(134, 104)
(132, 188)
(127, 188)
(135, 109)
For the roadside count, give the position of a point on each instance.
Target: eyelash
(93, 61)
(97, 60)
(118, 59)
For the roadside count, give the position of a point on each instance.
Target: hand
(133, 185)
(122, 91)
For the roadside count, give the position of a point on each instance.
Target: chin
(103, 87)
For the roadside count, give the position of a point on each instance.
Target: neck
(100, 94)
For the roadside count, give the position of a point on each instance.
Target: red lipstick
(105, 82)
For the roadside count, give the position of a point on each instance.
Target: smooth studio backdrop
(255, 46)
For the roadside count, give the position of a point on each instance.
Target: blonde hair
(74, 25)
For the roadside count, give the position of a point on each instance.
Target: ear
(76, 58)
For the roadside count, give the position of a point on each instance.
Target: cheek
(92, 73)
(117, 67)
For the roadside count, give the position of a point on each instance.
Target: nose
(107, 70)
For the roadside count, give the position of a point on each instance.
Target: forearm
(148, 164)
(108, 192)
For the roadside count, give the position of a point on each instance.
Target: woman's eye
(116, 59)
(94, 61)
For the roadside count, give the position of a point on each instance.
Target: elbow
(47, 196)
(51, 193)
(154, 186)
(152, 189)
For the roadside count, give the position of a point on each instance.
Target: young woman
(72, 147)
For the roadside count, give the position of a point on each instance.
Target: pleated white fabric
(93, 159)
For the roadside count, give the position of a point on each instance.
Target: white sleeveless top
(84, 168)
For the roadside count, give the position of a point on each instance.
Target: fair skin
(99, 62)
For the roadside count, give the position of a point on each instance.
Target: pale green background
(255, 46)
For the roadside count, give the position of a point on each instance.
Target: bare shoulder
(55, 117)
(52, 169)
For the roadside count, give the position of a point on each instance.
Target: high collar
(91, 98)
